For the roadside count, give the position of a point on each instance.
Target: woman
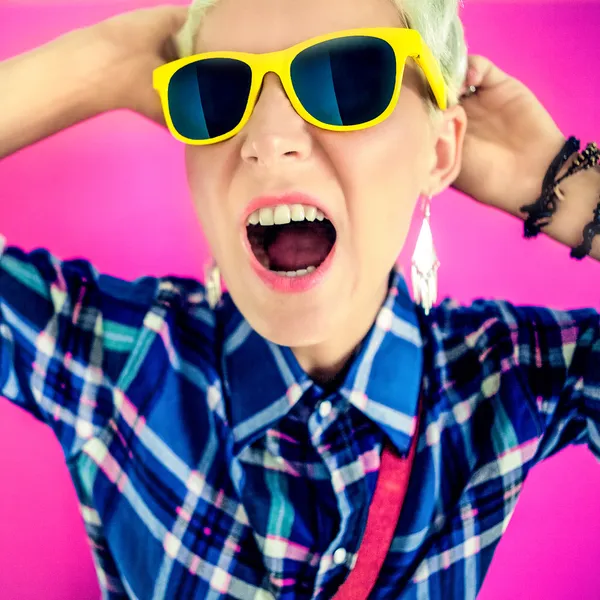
(232, 448)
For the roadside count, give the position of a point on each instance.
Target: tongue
(297, 248)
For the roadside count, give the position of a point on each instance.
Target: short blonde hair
(437, 21)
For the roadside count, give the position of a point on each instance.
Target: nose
(276, 135)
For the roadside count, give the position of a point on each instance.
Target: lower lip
(291, 285)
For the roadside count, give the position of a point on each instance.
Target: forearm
(578, 197)
(49, 89)
(581, 194)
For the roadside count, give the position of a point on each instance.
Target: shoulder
(149, 290)
(165, 322)
(494, 345)
(487, 323)
(170, 299)
(468, 331)
(37, 284)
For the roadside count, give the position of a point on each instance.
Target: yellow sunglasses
(342, 81)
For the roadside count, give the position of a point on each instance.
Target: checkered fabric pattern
(208, 465)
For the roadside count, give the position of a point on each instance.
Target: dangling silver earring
(212, 279)
(425, 264)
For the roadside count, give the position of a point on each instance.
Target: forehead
(269, 25)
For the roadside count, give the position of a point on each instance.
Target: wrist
(93, 71)
(533, 180)
(53, 87)
(578, 198)
(570, 206)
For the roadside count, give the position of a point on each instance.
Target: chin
(293, 328)
(291, 277)
(296, 333)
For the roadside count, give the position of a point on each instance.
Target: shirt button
(339, 556)
(325, 408)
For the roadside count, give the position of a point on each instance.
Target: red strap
(384, 513)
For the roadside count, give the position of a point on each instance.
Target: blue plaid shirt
(208, 465)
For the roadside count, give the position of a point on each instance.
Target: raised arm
(66, 330)
(513, 140)
(86, 72)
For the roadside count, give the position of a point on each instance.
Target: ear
(448, 131)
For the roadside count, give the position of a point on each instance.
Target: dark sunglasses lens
(347, 81)
(208, 98)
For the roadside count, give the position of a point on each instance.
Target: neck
(326, 362)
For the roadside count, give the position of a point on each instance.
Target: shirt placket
(329, 425)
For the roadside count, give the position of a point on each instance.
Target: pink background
(113, 190)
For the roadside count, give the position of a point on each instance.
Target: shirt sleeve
(556, 355)
(525, 380)
(65, 335)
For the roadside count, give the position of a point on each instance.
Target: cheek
(203, 170)
(385, 171)
(197, 175)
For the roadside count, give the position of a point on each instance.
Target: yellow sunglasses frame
(406, 43)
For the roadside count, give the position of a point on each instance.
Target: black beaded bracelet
(591, 230)
(541, 211)
(587, 159)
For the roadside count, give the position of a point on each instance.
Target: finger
(170, 20)
(164, 20)
(467, 93)
(469, 87)
(483, 73)
(472, 77)
(180, 16)
(174, 18)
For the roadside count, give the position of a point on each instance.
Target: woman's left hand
(510, 140)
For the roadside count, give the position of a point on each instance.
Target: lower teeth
(298, 273)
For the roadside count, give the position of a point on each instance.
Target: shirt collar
(263, 381)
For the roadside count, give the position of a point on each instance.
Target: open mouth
(291, 240)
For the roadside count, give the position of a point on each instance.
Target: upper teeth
(284, 213)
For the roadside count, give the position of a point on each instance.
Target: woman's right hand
(133, 44)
